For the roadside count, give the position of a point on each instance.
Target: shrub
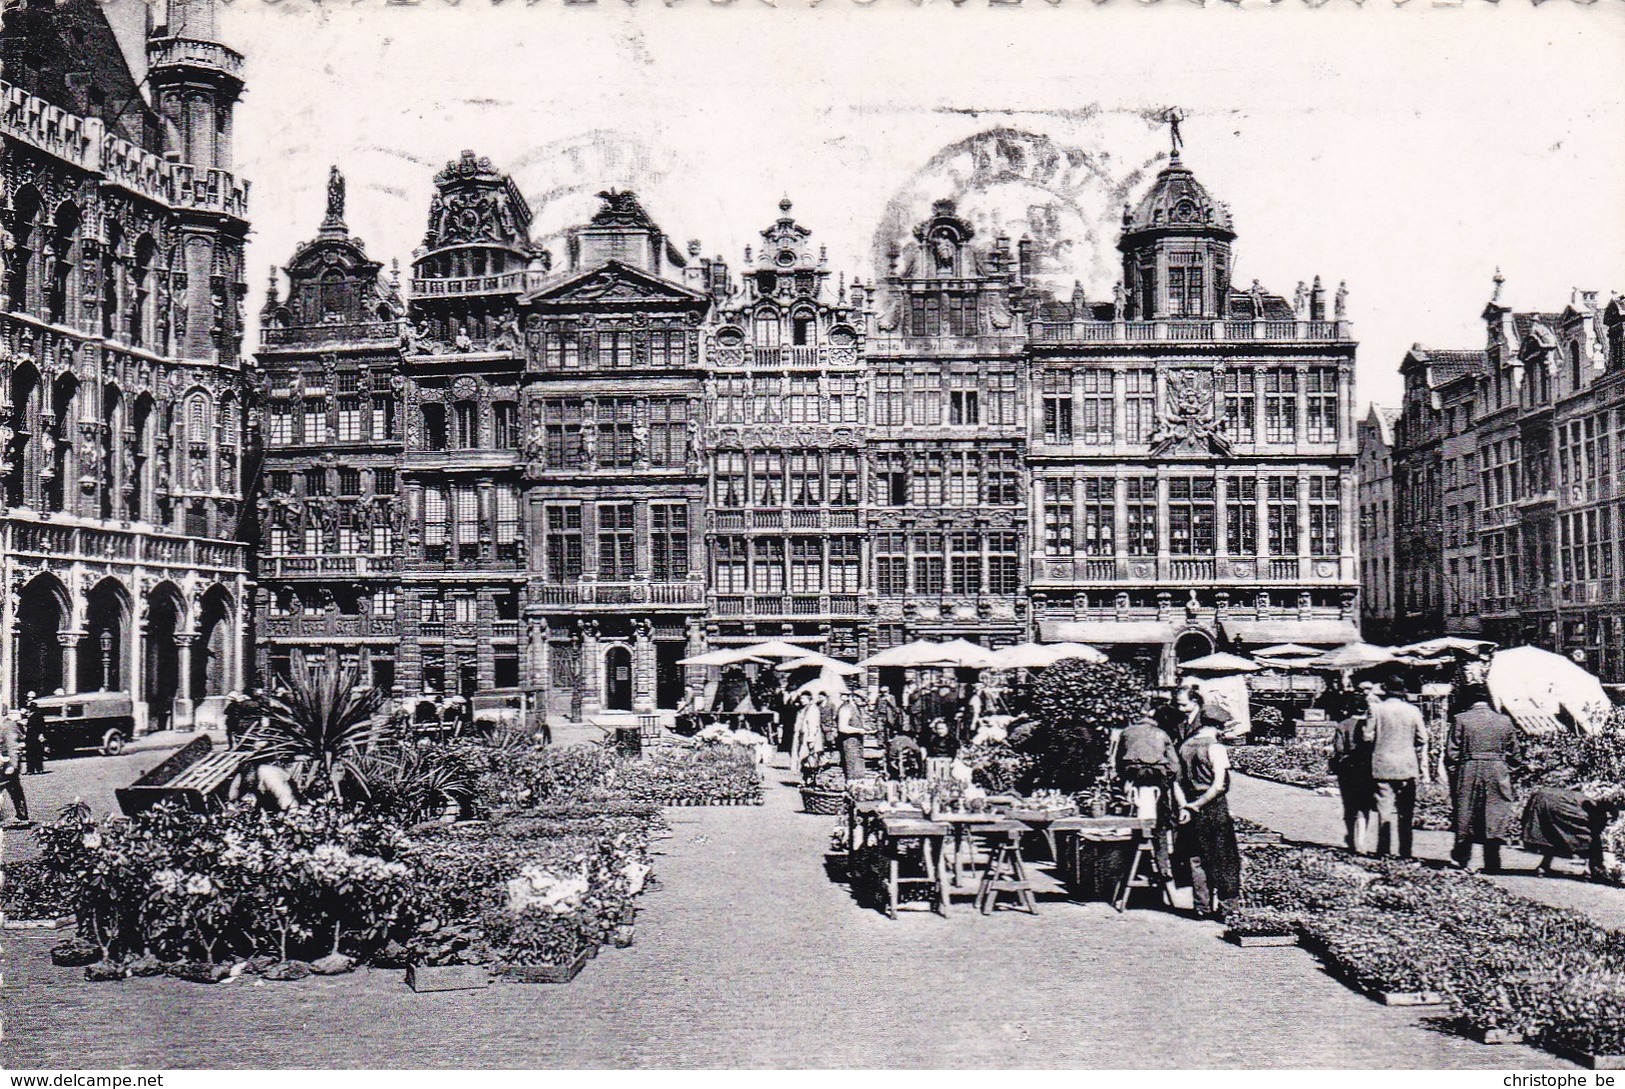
(31, 890)
(1295, 762)
(1077, 704)
(708, 774)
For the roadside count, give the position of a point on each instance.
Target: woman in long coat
(808, 734)
(1481, 745)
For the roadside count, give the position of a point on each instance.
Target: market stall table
(1092, 852)
(901, 835)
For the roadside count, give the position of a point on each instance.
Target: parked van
(88, 720)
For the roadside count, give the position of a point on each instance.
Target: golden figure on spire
(1172, 116)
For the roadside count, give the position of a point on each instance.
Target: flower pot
(447, 977)
(545, 973)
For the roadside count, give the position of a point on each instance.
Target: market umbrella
(1039, 655)
(1287, 652)
(954, 654)
(826, 681)
(1354, 656)
(1534, 685)
(1220, 663)
(766, 650)
(820, 661)
(1446, 645)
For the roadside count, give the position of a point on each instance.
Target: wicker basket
(823, 803)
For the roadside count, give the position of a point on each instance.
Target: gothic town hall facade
(558, 474)
(125, 448)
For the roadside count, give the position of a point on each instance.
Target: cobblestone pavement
(750, 956)
(1311, 817)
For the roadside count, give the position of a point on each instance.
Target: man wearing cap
(11, 780)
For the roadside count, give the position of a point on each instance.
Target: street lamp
(107, 658)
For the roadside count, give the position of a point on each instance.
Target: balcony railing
(503, 282)
(1176, 569)
(65, 542)
(334, 626)
(330, 333)
(625, 593)
(1121, 332)
(192, 53)
(802, 605)
(296, 567)
(1190, 570)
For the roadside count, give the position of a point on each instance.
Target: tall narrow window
(964, 402)
(1003, 563)
(728, 479)
(927, 399)
(965, 563)
(767, 477)
(616, 542)
(1058, 407)
(803, 406)
(434, 426)
(843, 406)
(281, 424)
(1001, 398)
(383, 418)
(1240, 405)
(349, 419)
(1139, 405)
(504, 425)
(668, 541)
(506, 499)
(767, 565)
(315, 422)
(1320, 424)
(843, 478)
(728, 564)
(1098, 507)
(1098, 410)
(1324, 515)
(1059, 518)
(926, 485)
(561, 423)
(729, 403)
(844, 557)
(891, 563)
(563, 542)
(964, 483)
(434, 523)
(668, 432)
(806, 565)
(891, 480)
(1281, 504)
(1241, 515)
(1280, 406)
(1140, 509)
(1001, 479)
(466, 512)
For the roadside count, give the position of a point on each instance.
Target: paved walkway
(751, 956)
(1310, 817)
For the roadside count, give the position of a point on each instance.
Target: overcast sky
(1407, 151)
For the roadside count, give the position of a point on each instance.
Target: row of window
(617, 347)
(1105, 515)
(616, 537)
(957, 562)
(346, 418)
(344, 481)
(955, 397)
(617, 433)
(797, 399)
(1088, 405)
(453, 523)
(770, 565)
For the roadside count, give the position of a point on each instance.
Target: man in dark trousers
(34, 735)
(1395, 731)
(1482, 745)
(11, 781)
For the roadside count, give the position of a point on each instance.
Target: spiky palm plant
(322, 721)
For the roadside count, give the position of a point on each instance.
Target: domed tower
(1176, 247)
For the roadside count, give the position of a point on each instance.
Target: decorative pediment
(615, 283)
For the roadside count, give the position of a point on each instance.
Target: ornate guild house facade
(123, 418)
(556, 476)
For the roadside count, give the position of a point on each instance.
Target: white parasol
(954, 654)
(1040, 655)
(820, 661)
(1221, 662)
(1534, 685)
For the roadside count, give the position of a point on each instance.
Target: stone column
(591, 685)
(643, 667)
(184, 706)
(70, 659)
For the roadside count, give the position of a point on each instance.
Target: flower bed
(1295, 763)
(1510, 966)
(30, 892)
(550, 875)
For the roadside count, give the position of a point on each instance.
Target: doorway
(618, 679)
(669, 679)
